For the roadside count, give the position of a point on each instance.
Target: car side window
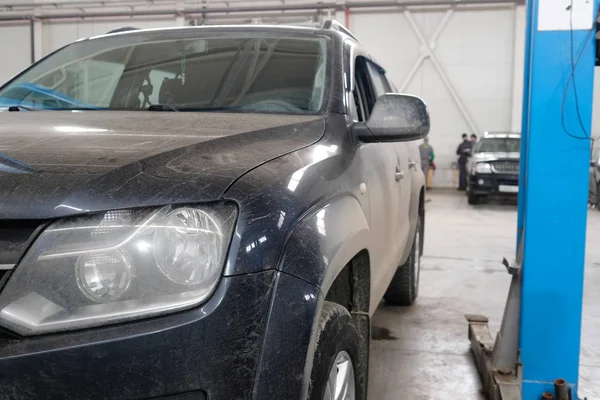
(354, 112)
(381, 85)
(364, 93)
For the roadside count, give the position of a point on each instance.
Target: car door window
(357, 102)
(378, 80)
(363, 88)
(353, 110)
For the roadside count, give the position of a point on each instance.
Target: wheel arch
(352, 289)
(329, 249)
(352, 286)
(325, 241)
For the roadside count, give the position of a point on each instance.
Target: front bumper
(215, 351)
(494, 184)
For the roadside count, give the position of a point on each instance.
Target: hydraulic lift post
(537, 348)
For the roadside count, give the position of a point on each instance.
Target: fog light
(481, 181)
(104, 277)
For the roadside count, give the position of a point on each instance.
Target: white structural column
(38, 51)
(518, 63)
(427, 51)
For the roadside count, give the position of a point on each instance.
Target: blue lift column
(537, 348)
(555, 160)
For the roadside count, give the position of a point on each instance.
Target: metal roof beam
(234, 9)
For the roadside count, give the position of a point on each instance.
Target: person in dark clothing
(463, 152)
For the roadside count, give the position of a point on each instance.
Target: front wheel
(474, 199)
(334, 373)
(404, 287)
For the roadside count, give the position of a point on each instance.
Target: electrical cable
(573, 69)
(574, 64)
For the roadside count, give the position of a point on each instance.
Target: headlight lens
(483, 168)
(104, 277)
(116, 266)
(188, 251)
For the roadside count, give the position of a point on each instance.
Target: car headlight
(115, 266)
(483, 168)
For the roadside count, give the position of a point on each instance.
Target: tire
(337, 341)
(404, 287)
(474, 199)
(422, 225)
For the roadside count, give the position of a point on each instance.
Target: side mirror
(395, 118)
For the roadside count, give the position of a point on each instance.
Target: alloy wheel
(341, 384)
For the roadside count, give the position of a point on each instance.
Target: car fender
(324, 240)
(320, 244)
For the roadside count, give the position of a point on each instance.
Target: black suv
(204, 213)
(494, 166)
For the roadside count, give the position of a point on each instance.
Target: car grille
(15, 238)
(505, 167)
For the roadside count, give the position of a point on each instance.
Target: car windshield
(246, 72)
(499, 145)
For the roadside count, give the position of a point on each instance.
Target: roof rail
(336, 26)
(123, 29)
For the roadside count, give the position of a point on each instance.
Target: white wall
(59, 33)
(15, 47)
(474, 52)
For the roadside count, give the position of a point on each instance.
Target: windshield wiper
(26, 108)
(162, 107)
(167, 107)
(210, 109)
(19, 108)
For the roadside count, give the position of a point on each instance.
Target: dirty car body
(257, 173)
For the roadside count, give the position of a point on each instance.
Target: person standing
(427, 157)
(463, 152)
(473, 138)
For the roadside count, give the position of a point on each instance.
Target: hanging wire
(574, 64)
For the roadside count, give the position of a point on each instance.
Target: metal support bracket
(512, 269)
(498, 361)
(498, 384)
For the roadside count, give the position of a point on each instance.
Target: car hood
(54, 164)
(492, 156)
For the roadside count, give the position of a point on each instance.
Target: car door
(404, 165)
(383, 174)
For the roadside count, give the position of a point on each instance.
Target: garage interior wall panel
(474, 51)
(62, 32)
(15, 47)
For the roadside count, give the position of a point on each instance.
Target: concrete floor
(422, 352)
